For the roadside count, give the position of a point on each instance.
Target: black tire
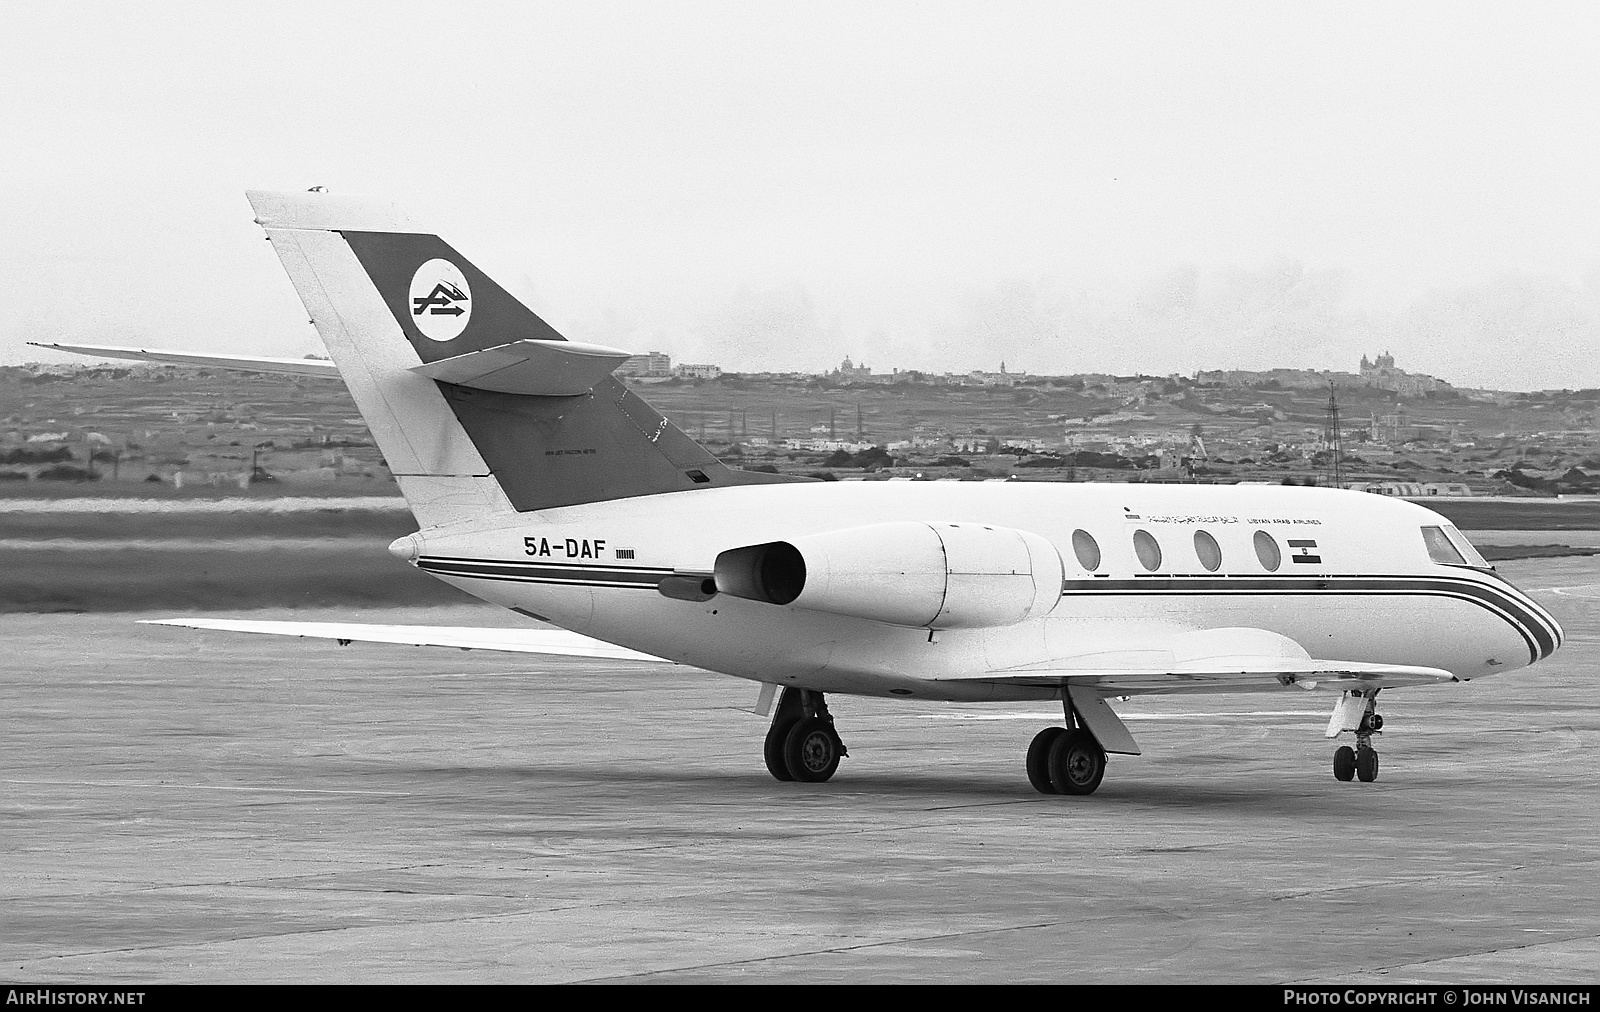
(811, 750)
(1039, 759)
(1367, 765)
(1344, 763)
(1077, 763)
(772, 751)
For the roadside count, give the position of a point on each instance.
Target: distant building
(1384, 363)
(850, 371)
(1383, 375)
(654, 364)
(828, 445)
(974, 442)
(1031, 445)
(1285, 379)
(1410, 489)
(691, 370)
(997, 379)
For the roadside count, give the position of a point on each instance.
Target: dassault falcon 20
(541, 483)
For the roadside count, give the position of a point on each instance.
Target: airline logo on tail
(441, 301)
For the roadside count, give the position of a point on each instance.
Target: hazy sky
(1069, 187)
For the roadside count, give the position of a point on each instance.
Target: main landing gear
(1361, 762)
(802, 744)
(1066, 760)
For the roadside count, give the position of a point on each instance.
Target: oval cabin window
(1268, 552)
(1086, 549)
(1207, 550)
(1144, 546)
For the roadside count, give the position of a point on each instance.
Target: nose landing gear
(1361, 762)
(1344, 763)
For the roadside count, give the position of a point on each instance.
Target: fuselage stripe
(544, 573)
(1541, 637)
(587, 567)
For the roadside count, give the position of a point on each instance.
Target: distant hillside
(218, 429)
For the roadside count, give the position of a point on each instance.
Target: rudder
(390, 298)
(440, 472)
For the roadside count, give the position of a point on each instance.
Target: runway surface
(179, 806)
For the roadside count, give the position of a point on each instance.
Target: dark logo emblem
(441, 301)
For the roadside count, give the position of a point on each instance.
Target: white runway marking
(182, 544)
(284, 504)
(205, 787)
(1583, 590)
(1207, 716)
(1056, 715)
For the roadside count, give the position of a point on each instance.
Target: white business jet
(542, 484)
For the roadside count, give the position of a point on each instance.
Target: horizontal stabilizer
(287, 366)
(557, 642)
(537, 368)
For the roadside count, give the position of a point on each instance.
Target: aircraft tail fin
(478, 405)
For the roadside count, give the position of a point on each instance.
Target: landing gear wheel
(1076, 763)
(772, 751)
(1039, 759)
(1367, 764)
(1344, 763)
(811, 751)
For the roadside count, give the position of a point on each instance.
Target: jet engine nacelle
(943, 576)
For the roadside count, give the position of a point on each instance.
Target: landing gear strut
(802, 744)
(1361, 762)
(1066, 760)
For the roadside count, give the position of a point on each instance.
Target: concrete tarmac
(181, 806)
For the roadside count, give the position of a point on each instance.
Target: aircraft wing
(521, 641)
(1243, 676)
(1209, 660)
(288, 366)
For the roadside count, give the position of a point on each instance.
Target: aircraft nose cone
(407, 548)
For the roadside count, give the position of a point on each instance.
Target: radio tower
(1332, 437)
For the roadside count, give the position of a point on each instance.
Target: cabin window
(1440, 549)
(1474, 557)
(1268, 552)
(1144, 546)
(1086, 549)
(1207, 550)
